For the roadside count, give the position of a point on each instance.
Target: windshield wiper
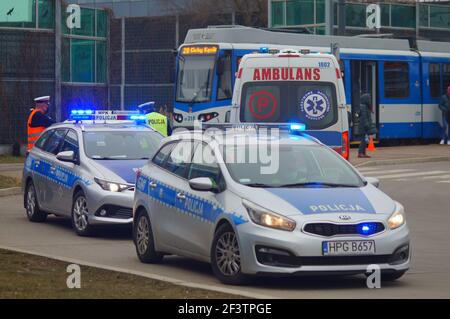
(323, 184)
(258, 185)
(109, 158)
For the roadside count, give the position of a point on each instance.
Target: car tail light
(338, 73)
(345, 146)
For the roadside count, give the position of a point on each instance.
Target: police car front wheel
(144, 240)
(226, 257)
(34, 213)
(80, 220)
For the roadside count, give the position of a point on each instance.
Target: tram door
(364, 80)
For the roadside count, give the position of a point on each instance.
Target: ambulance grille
(330, 229)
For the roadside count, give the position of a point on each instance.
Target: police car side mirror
(66, 156)
(202, 184)
(374, 181)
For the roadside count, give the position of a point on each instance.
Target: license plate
(348, 247)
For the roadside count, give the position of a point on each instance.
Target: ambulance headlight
(111, 186)
(397, 219)
(267, 218)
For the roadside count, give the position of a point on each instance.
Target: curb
(404, 161)
(10, 191)
(147, 275)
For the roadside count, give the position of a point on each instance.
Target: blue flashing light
(264, 50)
(82, 112)
(297, 127)
(138, 117)
(366, 229)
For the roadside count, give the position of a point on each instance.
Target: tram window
(446, 75)
(396, 79)
(435, 80)
(224, 90)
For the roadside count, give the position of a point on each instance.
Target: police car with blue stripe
(253, 203)
(85, 168)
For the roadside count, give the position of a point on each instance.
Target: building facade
(419, 19)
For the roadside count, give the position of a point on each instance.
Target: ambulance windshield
(121, 145)
(311, 103)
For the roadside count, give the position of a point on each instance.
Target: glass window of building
(18, 13)
(46, 14)
(82, 60)
(102, 23)
(385, 14)
(355, 15)
(423, 15)
(396, 79)
(101, 61)
(439, 16)
(300, 12)
(403, 16)
(278, 13)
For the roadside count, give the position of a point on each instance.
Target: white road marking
(392, 171)
(393, 176)
(436, 177)
(443, 182)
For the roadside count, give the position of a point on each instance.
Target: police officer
(444, 106)
(364, 125)
(156, 120)
(38, 121)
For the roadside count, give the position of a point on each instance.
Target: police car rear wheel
(143, 240)
(34, 214)
(80, 221)
(225, 256)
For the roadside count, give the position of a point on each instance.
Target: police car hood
(119, 170)
(307, 201)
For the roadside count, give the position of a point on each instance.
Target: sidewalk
(402, 155)
(11, 169)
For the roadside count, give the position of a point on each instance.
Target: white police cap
(146, 104)
(42, 99)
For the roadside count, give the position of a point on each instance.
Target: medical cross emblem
(315, 105)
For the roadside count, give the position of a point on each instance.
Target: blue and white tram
(405, 83)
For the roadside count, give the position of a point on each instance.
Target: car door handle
(153, 184)
(181, 196)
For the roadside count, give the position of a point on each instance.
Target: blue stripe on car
(194, 206)
(59, 175)
(325, 200)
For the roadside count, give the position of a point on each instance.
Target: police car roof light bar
(106, 115)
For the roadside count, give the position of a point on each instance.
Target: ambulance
(291, 86)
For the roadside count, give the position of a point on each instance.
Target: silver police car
(309, 212)
(86, 171)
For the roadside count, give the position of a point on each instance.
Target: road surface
(424, 189)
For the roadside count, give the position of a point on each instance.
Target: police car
(85, 168)
(303, 209)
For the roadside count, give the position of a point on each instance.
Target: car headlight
(397, 218)
(264, 217)
(111, 186)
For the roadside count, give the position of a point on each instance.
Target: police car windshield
(121, 145)
(312, 103)
(289, 165)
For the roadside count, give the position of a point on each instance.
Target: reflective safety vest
(158, 122)
(33, 132)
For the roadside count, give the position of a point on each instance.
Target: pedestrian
(364, 126)
(444, 106)
(38, 120)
